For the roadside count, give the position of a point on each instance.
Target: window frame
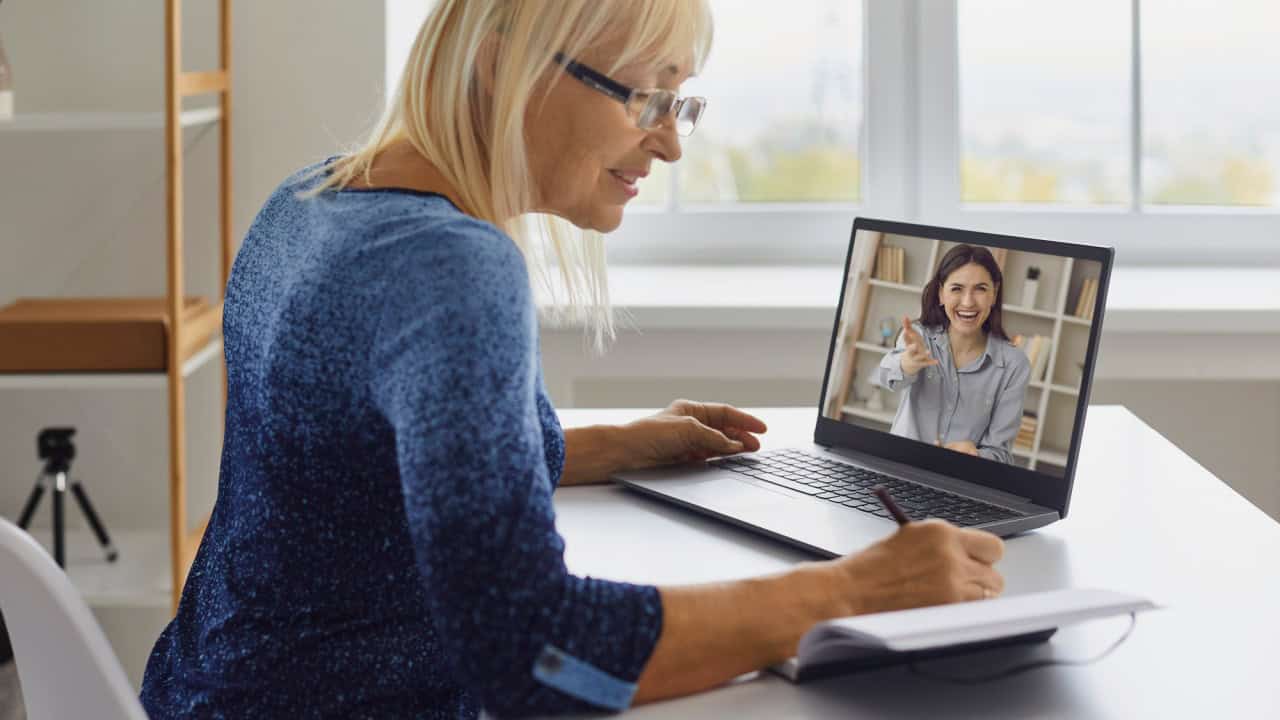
(911, 149)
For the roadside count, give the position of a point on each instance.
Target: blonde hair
(440, 108)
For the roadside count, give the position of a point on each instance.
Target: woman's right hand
(929, 562)
(715, 632)
(917, 356)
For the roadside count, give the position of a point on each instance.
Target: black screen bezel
(1040, 488)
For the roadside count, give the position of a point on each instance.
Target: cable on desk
(1022, 667)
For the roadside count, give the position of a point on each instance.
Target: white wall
(85, 216)
(403, 17)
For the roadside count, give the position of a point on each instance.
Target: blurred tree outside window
(1211, 110)
(784, 119)
(1046, 102)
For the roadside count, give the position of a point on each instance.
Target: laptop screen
(974, 350)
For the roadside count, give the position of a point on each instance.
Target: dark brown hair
(931, 312)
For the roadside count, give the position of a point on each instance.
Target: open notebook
(889, 638)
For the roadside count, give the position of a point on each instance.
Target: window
(1149, 125)
(1127, 199)
(780, 164)
(1046, 119)
(1211, 114)
(1043, 119)
(784, 125)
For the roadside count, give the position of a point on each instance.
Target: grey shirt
(980, 402)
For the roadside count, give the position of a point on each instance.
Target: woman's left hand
(963, 446)
(688, 431)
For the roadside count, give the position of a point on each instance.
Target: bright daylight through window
(1211, 107)
(1150, 125)
(1047, 102)
(1044, 116)
(784, 123)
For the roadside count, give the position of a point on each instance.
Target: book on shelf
(1038, 348)
(1027, 430)
(891, 264)
(1040, 370)
(1088, 297)
(1081, 299)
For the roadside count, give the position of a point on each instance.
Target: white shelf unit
(104, 121)
(1052, 398)
(880, 416)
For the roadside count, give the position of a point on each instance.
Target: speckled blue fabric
(383, 542)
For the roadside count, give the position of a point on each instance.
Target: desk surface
(1145, 518)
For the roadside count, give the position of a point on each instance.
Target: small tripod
(55, 448)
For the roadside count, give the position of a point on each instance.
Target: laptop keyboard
(851, 486)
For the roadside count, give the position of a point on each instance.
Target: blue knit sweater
(383, 542)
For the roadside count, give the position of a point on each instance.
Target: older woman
(383, 542)
(964, 383)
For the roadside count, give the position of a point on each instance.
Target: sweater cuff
(600, 648)
(571, 676)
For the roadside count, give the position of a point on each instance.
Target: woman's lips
(627, 181)
(630, 175)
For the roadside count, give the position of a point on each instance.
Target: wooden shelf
(157, 380)
(132, 342)
(871, 347)
(1073, 320)
(1053, 457)
(917, 289)
(884, 416)
(197, 328)
(98, 336)
(1030, 311)
(108, 121)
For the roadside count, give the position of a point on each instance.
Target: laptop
(982, 435)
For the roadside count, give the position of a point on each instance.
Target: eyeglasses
(648, 107)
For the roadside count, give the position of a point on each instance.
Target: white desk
(1145, 518)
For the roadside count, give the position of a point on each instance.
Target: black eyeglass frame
(602, 83)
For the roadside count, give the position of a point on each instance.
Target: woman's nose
(663, 141)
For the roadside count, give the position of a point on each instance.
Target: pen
(887, 500)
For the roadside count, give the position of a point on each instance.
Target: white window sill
(1141, 300)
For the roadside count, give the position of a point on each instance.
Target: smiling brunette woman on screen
(383, 542)
(965, 383)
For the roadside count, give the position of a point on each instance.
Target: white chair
(65, 665)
